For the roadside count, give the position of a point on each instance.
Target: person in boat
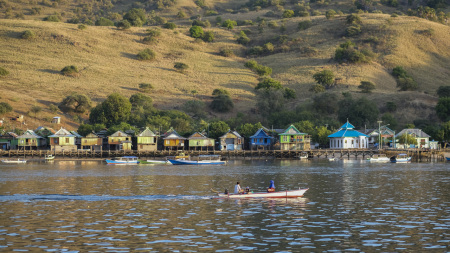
(238, 189)
(271, 186)
(247, 190)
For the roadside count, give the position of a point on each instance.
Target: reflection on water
(351, 206)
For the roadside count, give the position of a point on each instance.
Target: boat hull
(189, 162)
(448, 158)
(379, 160)
(14, 161)
(402, 160)
(283, 194)
(121, 162)
(153, 162)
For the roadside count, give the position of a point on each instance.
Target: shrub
(124, 24)
(170, 25)
(28, 35)
(229, 24)
(211, 13)
(443, 108)
(154, 32)
(317, 88)
(353, 30)
(3, 72)
(136, 17)
(82, 27)
(324, 77)
(226, 52)
(181, 14)
(77, 103)
(399, 72)
(366, 87)
(272, 24)
(208, 36)
(259, 69)
(303, 25)
(104, 22)
(330, 14)
(180, 67)
(5, 108)
(391, 106)
(268, 47)
(443, 91)
(217, 92)
(196, 31)
(70, 70)
(289, 93)
(52, 18)
(243, 39)
(407, 83)
(288, 14)
(353, 19)
(256, 50)
(146, 55)
(251, 64)
(269, 83)
(145, 87)
(149, 40)
(346, 52)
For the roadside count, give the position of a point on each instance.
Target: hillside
(107, 59)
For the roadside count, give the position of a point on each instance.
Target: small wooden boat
(303, 155)
(281, 194)
(199, 160)
(123, 160)
(161, 162)
(448, 159)
(401, 158)
(333, 159)
(379, 158)
(49, 157)
(14, 161)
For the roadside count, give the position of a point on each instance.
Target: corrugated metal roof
(416, 132)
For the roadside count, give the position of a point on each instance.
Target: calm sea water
(351, 206)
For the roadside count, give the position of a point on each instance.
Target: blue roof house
(347, 137)
(261, 140)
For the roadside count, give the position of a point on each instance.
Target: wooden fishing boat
(379, 158)
(199, 160)
(123, 160)
(14, 161)
(448, 159)
(281, 194)
(303, 155)
(401, 158)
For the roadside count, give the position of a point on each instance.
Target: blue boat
(199, 160)
(448, 159)
(123, 160)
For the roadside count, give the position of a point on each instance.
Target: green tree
(270, 101)
(443, 108)
(391, 106)
(217, 92)
(36, 109)
(289, 93)
(123, 24)
(104, 22)
(305, 126)
(353, 19)
(114, 110)
(196, 108)
(222, 103)
(388, 118)
(399, 72)
(407, 139)
(366, 87)
(78, 103)
(5, 108)
(181, 14)
(325, 103)
(324, 77)
(407, 83)
(196, 31)
(229, 24)
(248, 129)
(141, 100)
(180, 67)
(303, 25)
(85, 129)
(217, 129)
(288, 14)
(317, 88)
(28, 35)
(360, 112)
(321, 135)
(136, 17)
(443, 91)
(243, 39)
(170, 25)
(122, 126)
(208, 36)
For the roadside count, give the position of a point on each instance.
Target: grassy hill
(107, 60)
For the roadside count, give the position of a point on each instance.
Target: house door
(230, 146)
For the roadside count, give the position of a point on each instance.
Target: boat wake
(64, 197)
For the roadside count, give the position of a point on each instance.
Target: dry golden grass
(106, 58)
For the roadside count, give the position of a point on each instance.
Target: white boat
(303, 155)
(14, 161)
(123, 160)
(199, 160)
(332, 159)
(281, 194)
(401, 158)
(161, 162)
(379, 158)
(49, 157)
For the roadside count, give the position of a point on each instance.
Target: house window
(167, 142)
(67, 140)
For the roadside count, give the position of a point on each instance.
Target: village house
(293, 139)
(261, 140)
(173, 141)
(147, 140)
(231, 140)
(92, 142)
(119, 141)
(199, 141)
(29, 140)
(62, 140)
(374, 136)
(423, 139)
(8, 141)
(347, 137)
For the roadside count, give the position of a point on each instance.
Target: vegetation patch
(71, 70)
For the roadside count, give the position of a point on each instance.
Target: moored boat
(378, 158)
(281, 194)
(49, 157)
(448, 159)
(14, 161)
(154, 162)
(199, 160)
(401, 158)
(303, 155)
(123, 160)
